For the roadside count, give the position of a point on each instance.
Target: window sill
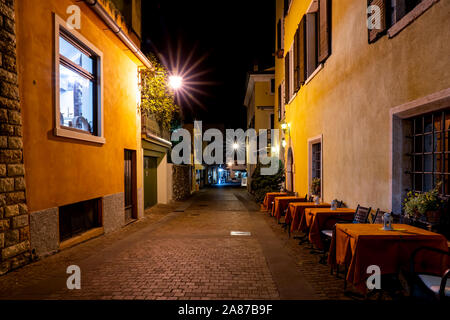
(88, 235)
(320, 67)
(71, 134)
(410, 17)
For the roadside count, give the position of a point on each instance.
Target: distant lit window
(78, 75)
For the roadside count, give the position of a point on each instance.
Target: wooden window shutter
(279, 35)
(324, 30)
(296, 62)
(280, 101)
(374, 34)
(302, 51)
(286, 80)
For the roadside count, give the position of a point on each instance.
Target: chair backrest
(378, 217)
(361, 215)
(340, 204)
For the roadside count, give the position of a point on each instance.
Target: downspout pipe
(113, 26)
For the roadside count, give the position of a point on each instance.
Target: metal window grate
(430, 152)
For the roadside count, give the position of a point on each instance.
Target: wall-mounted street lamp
(175, 82)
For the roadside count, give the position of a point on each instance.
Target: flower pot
(434, 216)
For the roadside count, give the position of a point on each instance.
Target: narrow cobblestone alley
(182, 251)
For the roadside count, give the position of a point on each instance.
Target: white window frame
(62, 131)
(311, 142)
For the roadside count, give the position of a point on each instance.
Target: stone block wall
(14, 218)
(181, 181)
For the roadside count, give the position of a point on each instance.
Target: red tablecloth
(296, 210)
(318, 219)
(268, 199)
(362, 245)
(281, 203)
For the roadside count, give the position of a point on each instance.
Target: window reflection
(76, 100)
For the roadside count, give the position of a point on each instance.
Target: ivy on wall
(157, 98)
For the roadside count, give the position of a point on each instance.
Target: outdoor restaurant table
(269, 198)
(359, 246)
(281, 203)
(296, 210)
(318, 219)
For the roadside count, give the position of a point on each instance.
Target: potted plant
(315, 187)
(424, 206)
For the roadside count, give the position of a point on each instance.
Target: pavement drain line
(240, 233)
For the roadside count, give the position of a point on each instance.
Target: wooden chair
(361, 216)
(378, 217)
(430, 286)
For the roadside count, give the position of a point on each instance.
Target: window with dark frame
(287, 4)
(279, 35)
(316, 160)
(78, 79)
(280, 101)
(430, 152)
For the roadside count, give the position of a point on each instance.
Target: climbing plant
(261, 184)
(156, 97)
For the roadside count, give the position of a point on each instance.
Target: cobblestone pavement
(184, 251)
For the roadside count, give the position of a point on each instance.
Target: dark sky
(232, 34)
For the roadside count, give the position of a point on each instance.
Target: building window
(78, 83)
(279, 39)
(316, 160)
(396, 15)
(75, 219)
(77, 86)
(312, 42)
(315, 164)
(400, 8)
(430, 152)
(287, 6)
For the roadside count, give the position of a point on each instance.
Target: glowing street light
(175, 82)
(235, 146)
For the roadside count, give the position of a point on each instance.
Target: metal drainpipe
(103, 14)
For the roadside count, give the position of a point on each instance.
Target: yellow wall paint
(63, 171)
(349, 99)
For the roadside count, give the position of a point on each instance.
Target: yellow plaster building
(367, 109)
(79, 92)
(259, 101)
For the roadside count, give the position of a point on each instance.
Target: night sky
(231, 35)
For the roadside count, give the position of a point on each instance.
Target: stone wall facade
(14, 218)
(181, 181)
